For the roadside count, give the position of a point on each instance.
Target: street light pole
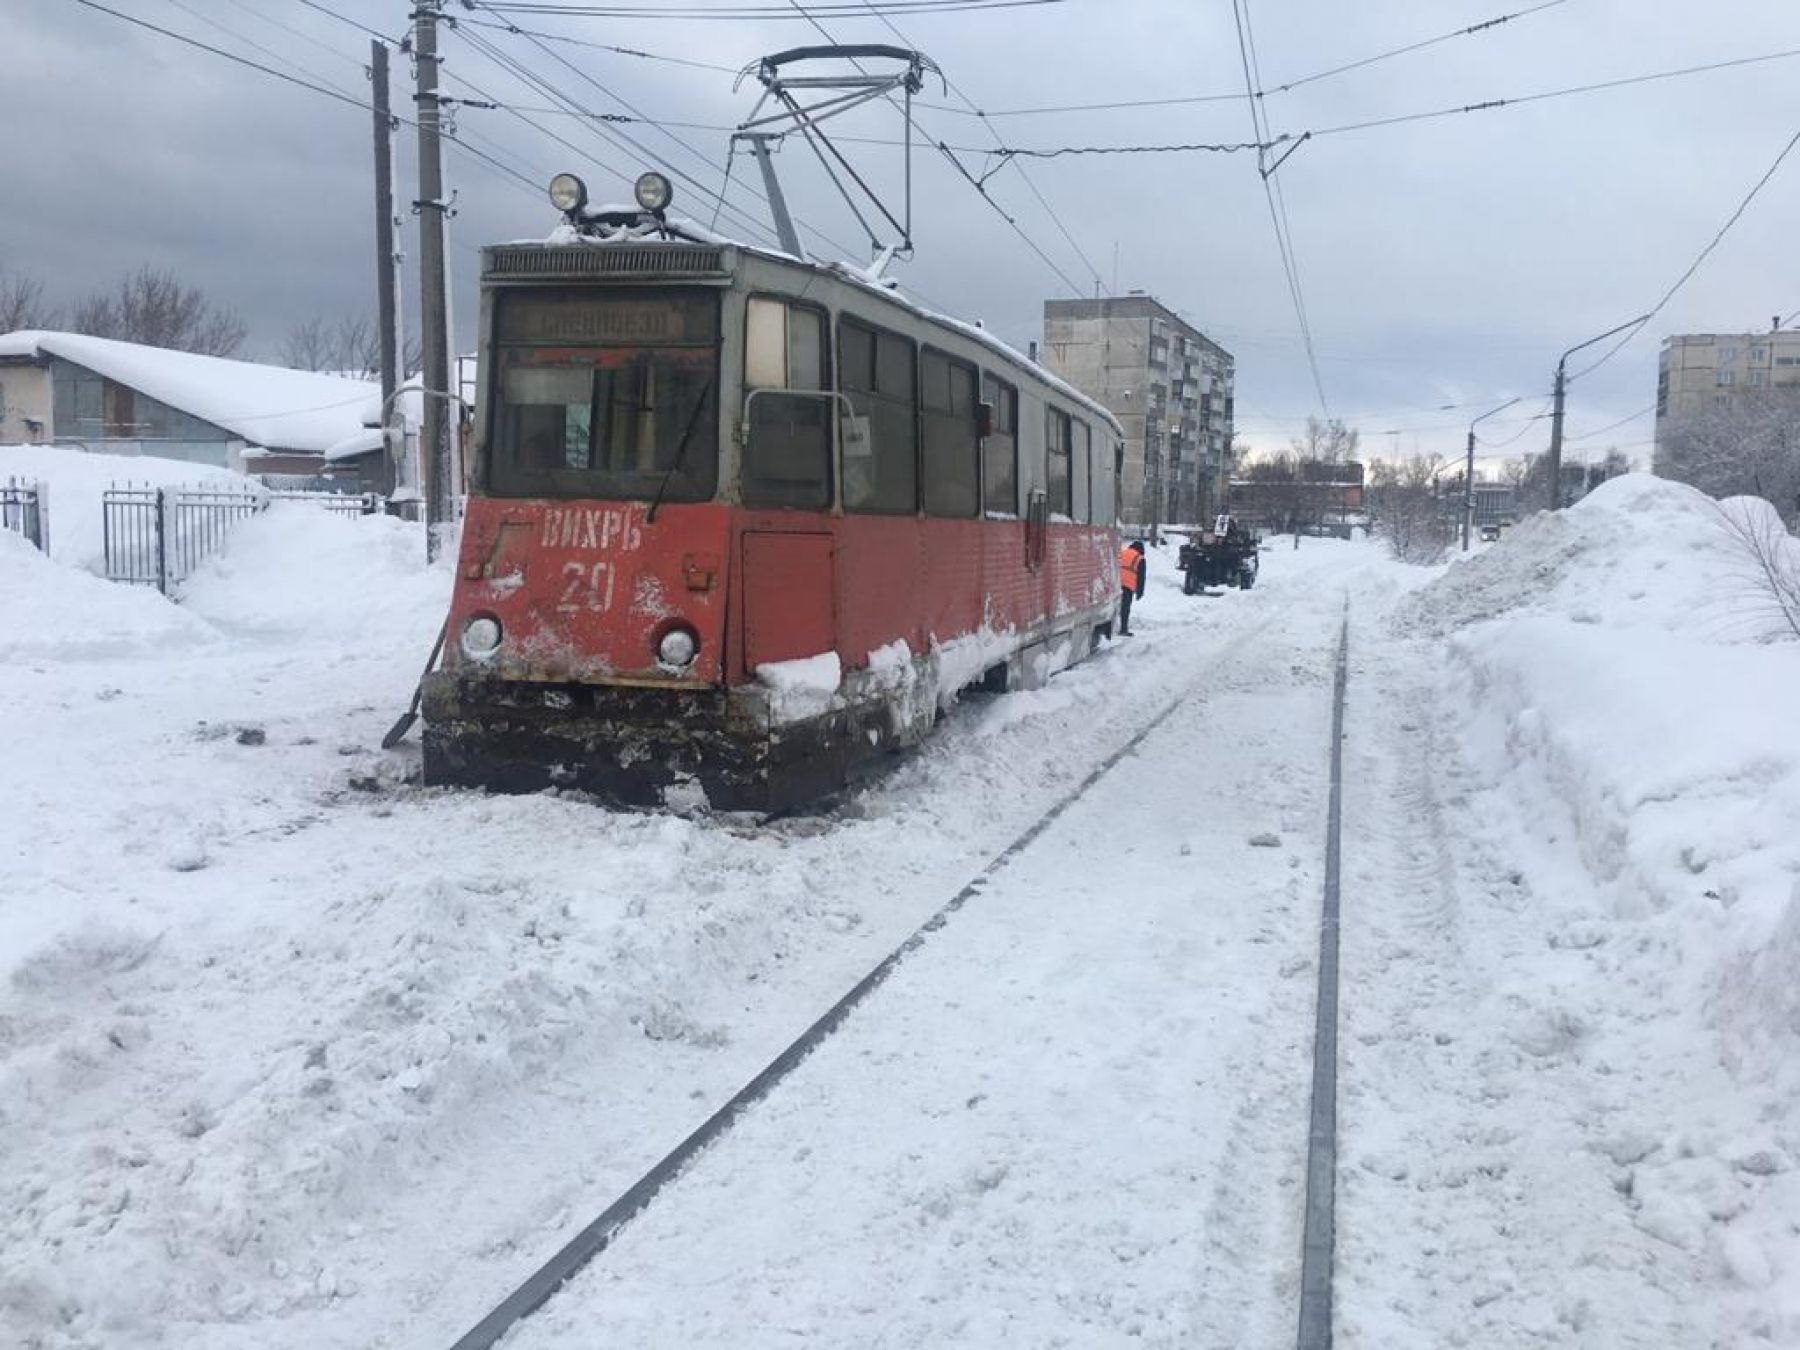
(1469, 469)
(1556, 414)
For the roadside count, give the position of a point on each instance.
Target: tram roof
(691, 232)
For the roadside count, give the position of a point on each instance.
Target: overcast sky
(1442, 261)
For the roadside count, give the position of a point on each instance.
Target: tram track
(599, 1234)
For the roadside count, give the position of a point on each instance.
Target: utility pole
(1469, 468)
(387, 279)
(434, 451)
(1556, 413)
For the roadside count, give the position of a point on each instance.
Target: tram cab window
(1079, 457)
(1056, 454)
(605, 392)
(947, 403)
(877, 372)
(787, 457)
(1000, 451)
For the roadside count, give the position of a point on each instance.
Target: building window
(878, 373)
(787, 458)
(947, 405)
(1000, 452)
(1728, 353)
(1759, 355)
(1724, 378)
(1759, 378)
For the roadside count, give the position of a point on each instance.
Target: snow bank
(50, 613)
(1625, 707)
(299, 570)
(74, 479)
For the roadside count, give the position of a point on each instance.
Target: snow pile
(300, 570)
(49, 612)
(73, 480)
(1623, 709)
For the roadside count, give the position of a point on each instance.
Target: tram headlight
(568, 193)
(654, 193)
(481, 637)
(678, 648)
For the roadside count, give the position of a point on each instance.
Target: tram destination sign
(609, 320)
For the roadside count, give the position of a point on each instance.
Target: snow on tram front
(740, 523)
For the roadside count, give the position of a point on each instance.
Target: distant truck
(1225, 555)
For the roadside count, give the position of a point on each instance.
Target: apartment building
(1697, 371)
(1169, 385)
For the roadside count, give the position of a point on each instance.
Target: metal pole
(435, 453)
(386, 280)
(1556, 416)
(1469, 489)
(784, 223)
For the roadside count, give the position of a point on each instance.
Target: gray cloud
(1443, 261)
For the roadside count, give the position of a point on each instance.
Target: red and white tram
(744, 522)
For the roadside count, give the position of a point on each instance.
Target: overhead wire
(1032, 186)
(718, 197)
(619, 139)
(1694, 266)
(1277, 206)
(830, 8)
(505, 27)
(980, 187)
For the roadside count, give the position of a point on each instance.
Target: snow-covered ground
(292, 1053)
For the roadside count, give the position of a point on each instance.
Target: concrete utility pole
(1469, 469)
(387, 279)
(1556, 414)
(434, 451)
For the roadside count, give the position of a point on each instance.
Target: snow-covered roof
(363, 442)
(269, 406)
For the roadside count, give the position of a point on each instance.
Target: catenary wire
(831, 9)
(620, 140)
(1694, 266)
(505, 27)
(1277, 209)
(1042, 201)
(980, 188)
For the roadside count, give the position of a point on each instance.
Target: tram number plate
(586, 587)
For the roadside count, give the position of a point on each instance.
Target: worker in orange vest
(1131, 582)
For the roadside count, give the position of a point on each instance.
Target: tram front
(586, 635)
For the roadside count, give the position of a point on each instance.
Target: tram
(740, 524)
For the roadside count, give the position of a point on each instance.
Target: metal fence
(22, 511)
(157, 536)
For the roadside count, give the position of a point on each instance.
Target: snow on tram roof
(689, 231)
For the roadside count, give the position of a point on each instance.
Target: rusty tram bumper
(647, 747)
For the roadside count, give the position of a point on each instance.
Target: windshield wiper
(680, 451)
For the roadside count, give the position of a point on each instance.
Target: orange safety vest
(1129, 558)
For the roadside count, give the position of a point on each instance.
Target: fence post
(162, 551)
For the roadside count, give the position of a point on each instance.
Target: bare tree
(22, 303)
(1407, 508)
(350, 345)
(1771, 555)
(155, 308)
(1329, 442)
(1748, 446)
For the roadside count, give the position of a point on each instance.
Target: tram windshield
(605, 393)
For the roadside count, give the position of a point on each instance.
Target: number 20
(586, 586)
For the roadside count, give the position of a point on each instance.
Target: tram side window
(947, 398)
(878, 372)
(1000, 451)
(787, 457)
(1080, 457)
(1056, 453)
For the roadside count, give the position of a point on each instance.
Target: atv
(1225, 555)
